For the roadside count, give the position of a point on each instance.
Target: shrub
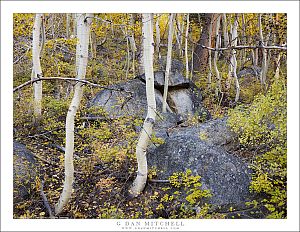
(262, 127)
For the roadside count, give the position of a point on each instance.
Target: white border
(9, 7)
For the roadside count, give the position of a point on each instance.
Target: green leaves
(262, 126)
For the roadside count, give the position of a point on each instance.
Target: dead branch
(158, 181)
(68, 79)
(46, 203)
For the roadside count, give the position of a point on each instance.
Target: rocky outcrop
(184, 98)
(129, 101)
(224, 174)
(175, 80)
(24, 172)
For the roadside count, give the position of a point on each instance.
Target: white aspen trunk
(186, 46)
(209, 56)
(277, 66)
(37, 70)
(128, 53)
(74, 24)
(141, 68)
(179, 33)
(234, 63)
(68, 26)
(244, 40)
(52, 25)
(145, 134)
(264, 52)
(225, 32)
(83, 30)
(157, 28)
(253, 56)
(169, 62)
(256, 57)
(218, 88)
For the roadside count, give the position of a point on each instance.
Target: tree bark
(141, 178)
(186, 46)
(157, 37)
(37, 70)
(233, 60)
(67, 25)
(264, 67)
(209, 57)
(277, 66)
(201, 54)
(83, 30)
(225, 32)
(218, 77)
(169, 61)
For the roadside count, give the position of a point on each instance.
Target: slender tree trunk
(37, 70)
(93, 44)
(225, 32)
(169, 61)
(83, 30)
(179, 33)
(67, 26)
(74, 16)
(141, 178)
(186, 45)
(244, 40)
(128, 53)
(209, 56)
(234, 63)
(218, 77)
(52, 25)
(264, 54)
(277, 66)
(157, 36)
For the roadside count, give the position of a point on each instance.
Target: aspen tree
(169, 62)
(37, 70)
(67, 26)
(145, 134)
(277, 66)
(264, 52)
(218, 88)
(83, 30)
(233, 58)
(209, 55)
(157, 36)
(186, 46)
(225, 32)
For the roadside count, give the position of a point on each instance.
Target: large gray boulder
(175, 80)
(131, 101)
(176, 65)
(24, 172)
(121, 103)
(225, 175)
(214, 132)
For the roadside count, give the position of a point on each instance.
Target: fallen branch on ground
(46, 203)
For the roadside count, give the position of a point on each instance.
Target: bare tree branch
(67, 79)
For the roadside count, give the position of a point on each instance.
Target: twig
(67, 79)
(158, 181)
(46, 203)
